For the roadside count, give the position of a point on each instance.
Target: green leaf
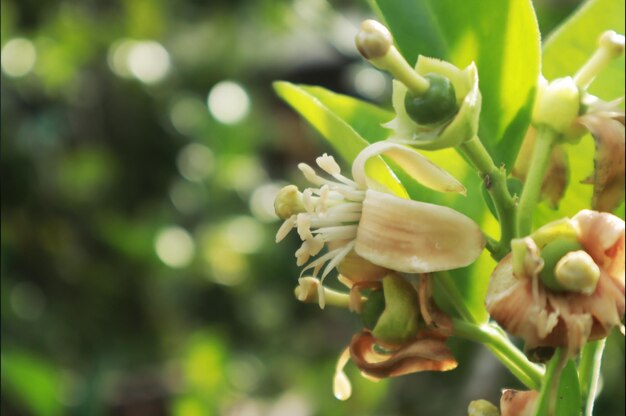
(572, 44)
(565, 50)
(315, 103)
(502, 37)
(32, 381)
(568, 402)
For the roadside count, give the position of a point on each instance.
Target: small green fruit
(437, 104)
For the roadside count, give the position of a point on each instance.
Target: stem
(589, 373)
(445, 281)
(396, 65)
(549, 390)
(528, 373)
(534, 180)
(495, 181)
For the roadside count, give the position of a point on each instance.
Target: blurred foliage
(142, 145)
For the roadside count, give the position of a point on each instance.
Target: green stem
(534, 180)
(528, 373)
(589, 372)
(446, 283)
(494, 179)
(548, 396)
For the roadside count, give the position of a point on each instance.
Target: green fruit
(551, 254)
(373, 307)
(436, 105)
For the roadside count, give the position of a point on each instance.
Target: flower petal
(426, 354)
(518, 403)
(415, 237)
(609, 165)
(603, 236)
(415, 164)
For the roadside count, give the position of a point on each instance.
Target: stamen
(285, 228)
(340, 232)
(321, 203)
(334, 219)
(310, 175)
(337, 259)
(328, 164)
(610, 46)
(304, 226)
(307, 201)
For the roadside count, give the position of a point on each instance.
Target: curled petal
(609, 166)
(423, 354)
(462, 127)
(415, 164)
(415, 237)
(603, 237)
(518, 403)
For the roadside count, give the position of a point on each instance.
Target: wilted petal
(425, 354)
(524, 308)
(603, 237)
(518, 403)
(609, 167)
(415, 237)
(415, 164)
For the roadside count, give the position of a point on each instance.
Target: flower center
(326, 214)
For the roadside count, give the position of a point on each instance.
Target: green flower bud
(557, 104)
(436, 105)
(551, 254)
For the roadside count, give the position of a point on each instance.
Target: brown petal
(425, 354)
(518, 403)
(603, 236)
(609, 166)
(550, 319)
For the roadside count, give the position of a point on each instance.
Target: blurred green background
(142, 146)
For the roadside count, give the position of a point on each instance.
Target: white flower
(384, 229)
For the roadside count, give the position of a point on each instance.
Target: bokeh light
(174, 246)
(195, 162)
(18, 57)
(146, 60)
(228, 102)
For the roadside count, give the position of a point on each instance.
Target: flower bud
(373, 39)
(557, 104)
